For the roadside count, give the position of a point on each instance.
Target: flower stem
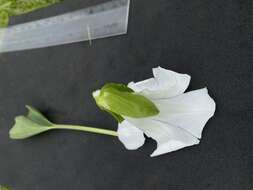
(87, 129)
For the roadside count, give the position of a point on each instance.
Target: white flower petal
(165, 84)
(189, 111)
(169, 138)
(130, 136)
(148, 84)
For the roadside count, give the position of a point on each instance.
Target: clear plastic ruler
(100, 21)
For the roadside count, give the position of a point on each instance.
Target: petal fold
(169, 138)
(130, 136)
(164, 84)
(190, 111)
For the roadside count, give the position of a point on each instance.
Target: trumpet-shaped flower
(181, 118)
(156, 107)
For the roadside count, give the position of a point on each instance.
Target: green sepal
(120, 87)
(32, 124)
(119, 118)
(116, 86)
(121, 100)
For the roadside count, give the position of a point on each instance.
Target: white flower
(182, 115)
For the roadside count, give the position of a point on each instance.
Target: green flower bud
(119, 100)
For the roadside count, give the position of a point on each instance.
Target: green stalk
(87, 129)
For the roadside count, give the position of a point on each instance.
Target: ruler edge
(74, 41)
